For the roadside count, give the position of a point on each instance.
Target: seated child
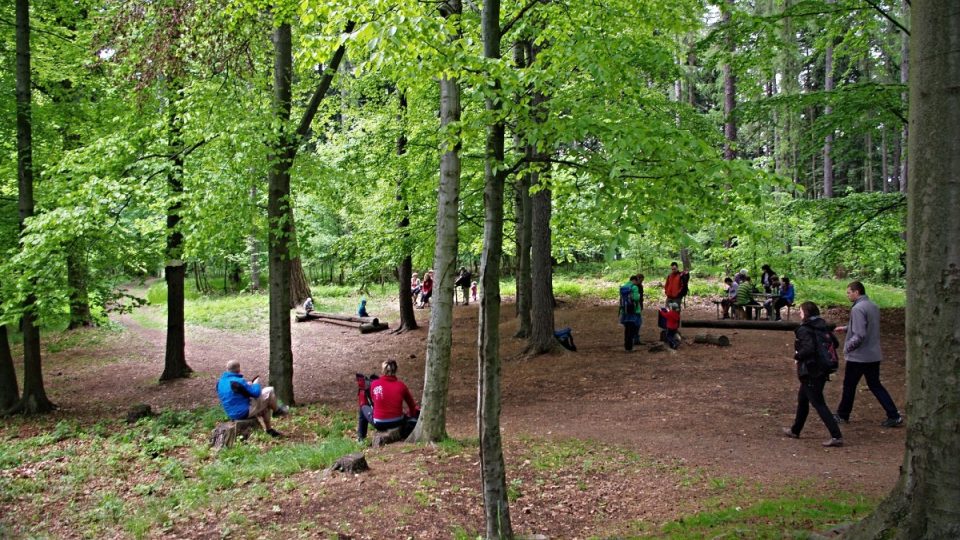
(362, 308)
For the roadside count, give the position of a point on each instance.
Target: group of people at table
(742, 295)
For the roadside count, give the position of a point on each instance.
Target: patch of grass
(244, 463)
(462, 533)
(776, 518)
(833, 292)
(239, 313)
(80, 338)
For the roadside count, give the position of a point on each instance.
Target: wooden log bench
(226, 433)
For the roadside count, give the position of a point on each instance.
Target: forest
(240, 157)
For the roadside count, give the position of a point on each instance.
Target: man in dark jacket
(242, 399)
(811, 375)
(861, 350)
(463, 281)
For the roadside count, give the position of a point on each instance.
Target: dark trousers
(811, 393)
(670, 336)
(365, 418)
(851, 378)
(631, 333)
(774, 305)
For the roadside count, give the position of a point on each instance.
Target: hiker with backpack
(816, 358)
(630, 313)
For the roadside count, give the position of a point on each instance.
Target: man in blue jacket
(242, 399)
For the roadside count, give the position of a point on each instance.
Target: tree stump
(721, 340)
(351, 463)
(383, 438)
(138, 411)
(226, 433)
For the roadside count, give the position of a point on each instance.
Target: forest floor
(598, 442)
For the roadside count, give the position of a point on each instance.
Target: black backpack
(827, 359)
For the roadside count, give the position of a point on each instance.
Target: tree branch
(506, 28)
(889, 17)
(328, 73)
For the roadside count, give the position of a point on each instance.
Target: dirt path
(719, 409)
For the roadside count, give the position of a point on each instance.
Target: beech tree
(432, 423)
(924, 502)
(492, 468)
(33, 399)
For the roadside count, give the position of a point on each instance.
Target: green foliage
(778, 518)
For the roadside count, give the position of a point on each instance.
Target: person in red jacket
(388, 395)
(671, 325)
(673, 285)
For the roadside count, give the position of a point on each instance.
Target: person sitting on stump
(388, 395)
(242, 399)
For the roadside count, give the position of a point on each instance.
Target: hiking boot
(282, 410)
(274, 433)
(788, 432)
(833, 443)
(893, 422)
(840, 420)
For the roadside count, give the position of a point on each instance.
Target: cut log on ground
(376, 326)
(226, 433)
(720, 340)
(383, 438)
(739, 324)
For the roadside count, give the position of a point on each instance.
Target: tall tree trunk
(175, 359)
(729, 89)
(34, 398)
(524, 239)
(923, 505)
(278, 218)
(9, 391)
(492, 468)
(884, 168)
(523, 211)
(432, 425)
(904, 79)
(542, 325)
(828, 140)
(685, 259)
(868, 162)
(253, 246)
(299, 284)
(77, 285)
(408, 317)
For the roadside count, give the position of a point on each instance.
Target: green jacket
(744, 293)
